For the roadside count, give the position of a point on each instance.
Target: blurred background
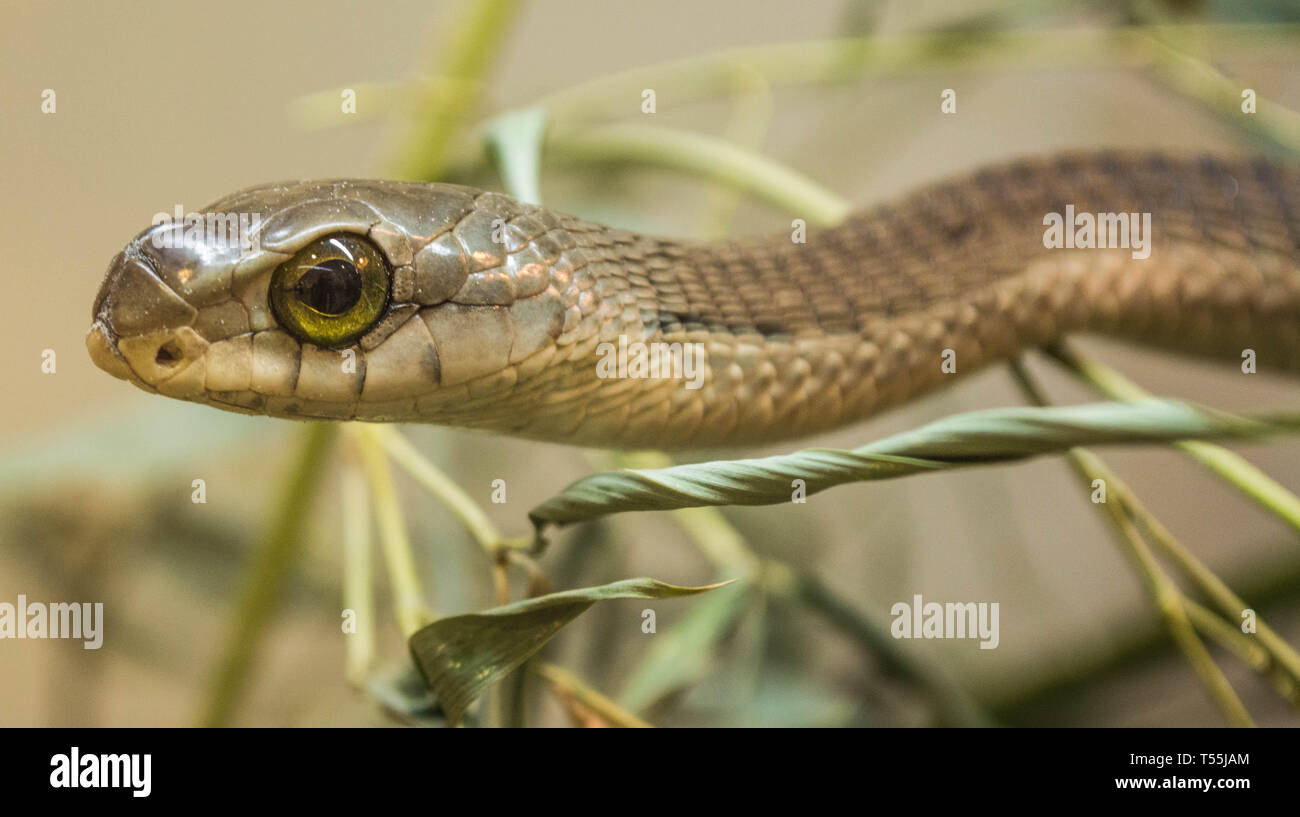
(160, 104)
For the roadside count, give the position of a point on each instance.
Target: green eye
(332, 291)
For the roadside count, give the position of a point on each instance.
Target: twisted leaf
(998, 435)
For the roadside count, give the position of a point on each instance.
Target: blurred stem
(408, 599)
(441, 486)
(1221, 94)
(1248, 650)
(705, 156)
(501, 582)
(450, 97)
(877, 56)
(751, 116)
(718, 540)
(1234, 469)
(1168, 598)
(1241, 474)
(538, 583)
(566, 683)
(506, 702)
(446, 491)
(958, 708)
(375, 100)
(470, 51)
(827, 61)
(1228, 603)
(727, 549)
(272, 558)
(358, 573)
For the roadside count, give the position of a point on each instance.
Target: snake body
(497, 310)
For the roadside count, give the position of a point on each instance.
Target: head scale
(341, 300)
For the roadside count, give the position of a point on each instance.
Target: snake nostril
(169, 354)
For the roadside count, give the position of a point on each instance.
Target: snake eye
(332, 291)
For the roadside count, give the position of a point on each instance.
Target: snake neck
(804, 333)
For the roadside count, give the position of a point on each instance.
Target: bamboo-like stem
(837, 61)
(408, 598)
(470, 52)
(272, 558)
(1250, 651)
(358, 572)
(1230, 606)
(726, 548)
(1234, 469)
(704, 156)
(1168, 598)
(566, 683)
(445, 490)
(1166, 595)
(1239, 473)
(751, 116)
(956, 706)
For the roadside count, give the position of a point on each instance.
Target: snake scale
(412, 302)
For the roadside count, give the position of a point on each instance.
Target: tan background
(166, 103)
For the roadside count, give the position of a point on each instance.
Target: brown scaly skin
(800, 337)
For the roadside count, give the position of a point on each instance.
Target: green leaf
(462, 655)
(998, 435)
(515, 141)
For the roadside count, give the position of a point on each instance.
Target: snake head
(342, 299)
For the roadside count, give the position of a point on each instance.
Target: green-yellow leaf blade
(460, 656)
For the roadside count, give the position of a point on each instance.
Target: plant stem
(747, 126)
(271, 560)
(1168, 598)
(955, 704)
(472, 48)
(408, 598)
(358, 573)
(1234, 469)
(1229, 604)
(566, 683)
(726, 548)
(705, 156)
(1166, 595)
(1250, 652)
(445, 490)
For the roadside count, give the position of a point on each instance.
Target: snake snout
(142, 333)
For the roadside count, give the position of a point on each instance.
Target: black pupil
(332, 287)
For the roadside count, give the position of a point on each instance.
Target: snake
(413, 302)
